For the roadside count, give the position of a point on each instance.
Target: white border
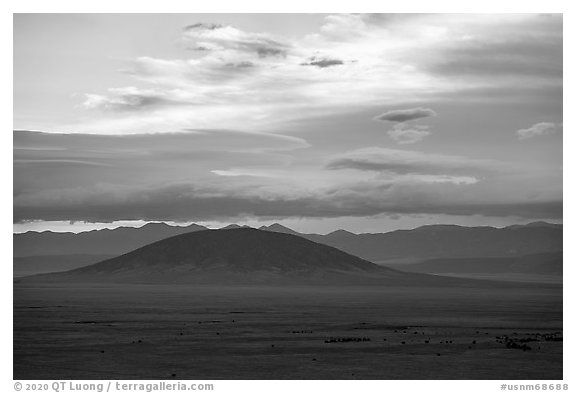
(299, 6)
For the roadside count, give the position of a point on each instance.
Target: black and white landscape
(288, 196)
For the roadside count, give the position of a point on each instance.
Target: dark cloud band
(188, 203)
(404, 115)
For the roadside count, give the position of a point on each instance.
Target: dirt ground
(181, 332)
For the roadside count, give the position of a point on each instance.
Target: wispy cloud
(538, 129)
(132, 98)
(407, 134)
(220, 38)
(411, 162)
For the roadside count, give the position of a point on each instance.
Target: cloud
(410, 196)
(404, 115)
(178, 75)
(212, 174)
(43, 161)
(514, 50)
(236, 79)
(241, 64)
(411, 162)
(132, 98)
(503, 59)
(232, 200)
(538, 129)
(233, 172)
(214, 37)
(203, 26)
(407, 134)
(322, 62)
(62, 145)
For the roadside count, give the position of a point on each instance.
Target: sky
(319, 122)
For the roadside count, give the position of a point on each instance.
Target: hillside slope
(238, 256)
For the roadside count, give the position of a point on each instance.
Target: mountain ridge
(407, 246)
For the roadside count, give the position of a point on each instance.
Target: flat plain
(121, 331)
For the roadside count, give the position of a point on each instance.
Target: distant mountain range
(54, 251)
(98, 242)
(448, 241)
